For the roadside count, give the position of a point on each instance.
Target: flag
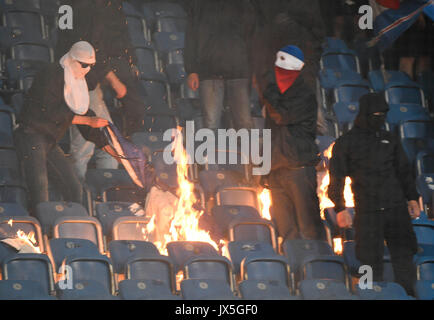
(429, 11)
(131, 157)
(389, 23)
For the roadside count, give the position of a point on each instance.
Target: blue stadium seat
(334, 44)
(67, 247)
(145, 290)
(182, 251)
(238, 250)
(266, 267)
(212, 180)
(147, 60)
(353, 264)
(28, 266)
(22, 73)
(108, 212)
(152, 268)
(424, 250)
(32, 5)
(265, 290)
(23, 290)
(176, 73)
(424, 230)
(87, 228)
(129, 228)
(162, 16)
(95, 268)
(123, 250)
(397, 93)
(12, 210)
(335, 60)
(237, 196)
(224, 215)
(209, 267)
(136, 23)
(104, 185)
(346, 113)
(86, 290)
(150, 141)
(157, 92)
(48, 212)
(167, 42)
(6, 127)
(324, 267)
(9, 159)
(204, 289)
(425, 268)
(383, 291)
(297, 250)
(9, 226)
(159, 123)
(253, 230)
(424, 290)
(425, 163)
(416, 136)
(31, 22)
(402, 112)
(186, 110)
(329, 78)
(324, 290)
(350, 92)
(379, 79)
(166, 174)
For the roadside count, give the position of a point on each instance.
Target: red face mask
(285, 78)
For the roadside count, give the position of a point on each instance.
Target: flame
(10, 222)
(337, 246)
(324, 201)
(28, 239)
(265, 200)
(185, 222)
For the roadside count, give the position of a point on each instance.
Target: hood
(369, 104)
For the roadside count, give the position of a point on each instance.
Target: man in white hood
(58, 98)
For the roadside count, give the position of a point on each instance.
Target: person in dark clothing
(102, 24)
(216, 57)
(291, 116)
(384, 190)
(58, 98)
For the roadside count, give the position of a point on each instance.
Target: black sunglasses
(85, 65)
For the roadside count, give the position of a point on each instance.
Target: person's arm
(405, 174)
(93, 122)
(116, 84)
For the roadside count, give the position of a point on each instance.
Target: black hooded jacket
(292, 118)
(218, 38)
(374, 160)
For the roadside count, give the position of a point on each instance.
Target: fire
(28, 239)
(324, 201)
(337, 246)
(10, 222)
(265, 198)
(185, 222)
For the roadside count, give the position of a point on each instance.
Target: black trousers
(295, 205)
(40, 159)
(393, 226)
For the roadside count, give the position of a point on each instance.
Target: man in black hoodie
(384, 191)
(216, 58)
(292, 116)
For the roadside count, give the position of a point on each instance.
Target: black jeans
(295, 204)
(41, 158)
(394, 226)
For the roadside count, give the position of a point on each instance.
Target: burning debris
(23, 242)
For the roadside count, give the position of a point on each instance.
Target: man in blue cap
(292, 116)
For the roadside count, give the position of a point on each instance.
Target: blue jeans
(212, 96)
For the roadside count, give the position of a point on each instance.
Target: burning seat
(209, 289)
(265, 290)
(29, 227)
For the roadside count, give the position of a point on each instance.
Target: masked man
(384, 191)
(292, 115)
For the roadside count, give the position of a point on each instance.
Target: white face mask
(78, 71)
(76, 92)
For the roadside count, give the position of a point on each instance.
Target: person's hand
(344, 219)
(413, 209)
(96, 122)
(193, 81)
